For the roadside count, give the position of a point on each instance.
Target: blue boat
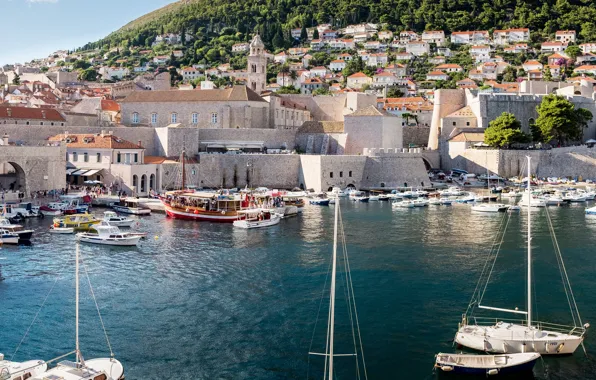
(320, 202)
(485, 365)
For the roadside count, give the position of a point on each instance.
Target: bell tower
(257, 65)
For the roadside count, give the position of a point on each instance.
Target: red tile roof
(30, 113)
(110, 105)
(95, 141)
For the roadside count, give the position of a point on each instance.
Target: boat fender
(560, 347)
(187, 210)
(196, 212)
(223, 212)
(493, 371)
(447, 368)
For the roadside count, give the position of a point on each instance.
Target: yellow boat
(77, 221)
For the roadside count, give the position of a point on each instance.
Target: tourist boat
(108, 235)
(403, 204)
(7, 237)
(10, 370)
(319, 201)
(486, 365)
(81, 369)
(591, 211)
(295, 200)
(213, 207)
(77, 221)
(118, 221)
(527, 335)
(490, 207)
(131, 206)
(61, 230)
(24, 235)
(256, 218)
(336, 192)
(356, 352)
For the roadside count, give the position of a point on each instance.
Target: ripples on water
(200, 300)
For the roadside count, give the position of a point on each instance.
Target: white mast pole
(332, 295)
(529, 245)
(77, 305)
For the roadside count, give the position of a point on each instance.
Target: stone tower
(257, 65)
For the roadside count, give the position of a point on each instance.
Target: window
(153, 118)
(330, 174)
(454, 123)
(214, 118)
(86, 157)
(350, 173)
(41, 123)
(135, 118)
(468, 123)
(98, 157)
(118, 157)
(195, 118)
(136, 157)
(27, 123)
(62, 124)
(341, 174)
(75, 158)
(174, 118)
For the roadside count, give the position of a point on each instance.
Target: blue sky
(36, 28)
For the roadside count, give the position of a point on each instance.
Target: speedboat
(452, 191)
(534, 202)
(403, 204)
(7, 237)
(319, 202)
(77, 221)
(490, 207)
(118, 221)
(511, 194)
(484, 365)
(108, 235)
(50, 209)
(446, 201)
(24, 235)
(10, 370)
(514, 208)
(552, 200)
(384, 197)
(374, 198)
(256, 218)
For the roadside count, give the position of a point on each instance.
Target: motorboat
(484, 365)
(409, 194)
(319, 202)
(77, 221)
(118, 221)
(446, 201)
(403, 204)
(360, 199)
(591, 211)
(384, 197)
(355, 193)
(420, 202)
(61, 230)
(131, 206)
(24, 235)
(490, 207)
(434, 201)
(511, 194)
(452, 191)
(108, 235)
(10, 370)
(336, 192)
(256, 218)
(207, 206)
(23, 210)
(51, 209)
(374, 198)
(534, 202)
(514, 208)
(7, 237)
(553, 200)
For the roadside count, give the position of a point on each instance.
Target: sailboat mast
(182, 156)
(78, 352)
(529, 245)
(332, 291)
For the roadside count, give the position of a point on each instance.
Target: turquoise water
(206, 301)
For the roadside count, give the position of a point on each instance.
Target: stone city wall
(336, 142)
(416, 136)
(43, 167)
(271, 137)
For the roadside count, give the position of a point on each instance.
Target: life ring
(223, 212)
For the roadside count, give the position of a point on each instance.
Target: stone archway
(427, 164)
(152, 182)
(143, 184)
(12, 177)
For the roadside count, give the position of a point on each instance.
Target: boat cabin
(206, 201)
(254, 215)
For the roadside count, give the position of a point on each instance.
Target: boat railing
(554, 327)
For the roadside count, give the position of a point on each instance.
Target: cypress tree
(303, 33)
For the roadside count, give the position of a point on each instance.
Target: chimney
(110, 132)
(43, 114)
(103, 133)
(5, 139)
(9, 112)
(140, 143)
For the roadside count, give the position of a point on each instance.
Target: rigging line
(495, 260)
(357, 321)
(36, 315)
(564, 276)
(105, 333)
(476, 292)
(348, 293)
(317, 319)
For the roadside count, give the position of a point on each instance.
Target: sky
(36, 28)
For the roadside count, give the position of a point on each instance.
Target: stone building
(31, 116)
(234, 107)
(257, 65)
(370, 127)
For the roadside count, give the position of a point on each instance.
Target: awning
(215, 146)
(70, 171)
(91, 172)
(79, 172)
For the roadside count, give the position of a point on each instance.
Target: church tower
(257, 65)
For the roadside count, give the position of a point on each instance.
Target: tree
(303, 33)
(16, 80)
(546, 74)
(573, 51)
(395, 92)
(278, 39)
(88, 75)
(559, 120)
(288, 90)
(509, 74)
(315, 34)
(321, 91)
(504, 131)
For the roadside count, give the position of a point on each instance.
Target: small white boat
(61, 230)
(319, 201)
(360, 199)
(591, 211)
(511, 194)
(384, 197)
(256, 218)
(446, 201)
(118, 221)
(490, 207)
(131, 206)
(374, 198)
(434, 201)
(24, 235)
(336, 192)
(486, 364)
(403, 204)
(534, 202)
(108, 235)
(7, 237)
(514, 209)
(420, 202)
(553, 200)
(21, 370)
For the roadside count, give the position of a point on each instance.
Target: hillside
(269, 16)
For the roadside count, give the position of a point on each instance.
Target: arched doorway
(143, 183)
(427, 164)
(152, 182)
(12, 177)
(135, 184)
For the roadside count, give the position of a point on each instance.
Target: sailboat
(330, 353)
(528, 335)
(94, 369)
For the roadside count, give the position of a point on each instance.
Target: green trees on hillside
(504, 131)
(559, 120)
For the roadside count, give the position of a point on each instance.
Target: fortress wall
(273, 138)
(415, 135)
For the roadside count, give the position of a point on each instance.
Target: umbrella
(591, 141)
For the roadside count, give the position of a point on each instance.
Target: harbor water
(210, 301)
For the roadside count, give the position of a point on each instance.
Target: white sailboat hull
(248, 224)
(505, 338)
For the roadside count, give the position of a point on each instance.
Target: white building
(407, 36)
(385, 35)
(511, 36)
(588, 47)
(190, 73)
(553, 47)
(240, 47)
(437, 75)
(532, 65)
(450, 68)
(481, 53)
(337, 65)
(417, 48)
(478, 37)
(358, 80)
(565, 36)
(108, 73)
(280, 57)
(434, 37)
(385, 78)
